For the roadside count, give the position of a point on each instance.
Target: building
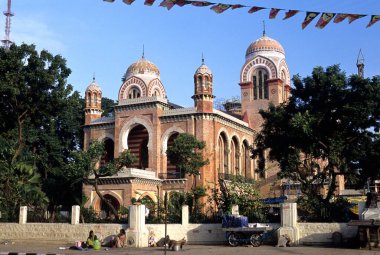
(147, 123)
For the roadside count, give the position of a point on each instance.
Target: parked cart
(238, 231)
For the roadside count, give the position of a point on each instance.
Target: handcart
(238, 231)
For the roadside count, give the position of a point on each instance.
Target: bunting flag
(236, 6)
(181, 3)
(374, 19)
(325, 18)
(201, 3)
(219, 8)
(255, 9)
(353, 17)
(149, 2)
(290, 13)
(309, 18)
(167, 3)
(273, 13)
(340, 17)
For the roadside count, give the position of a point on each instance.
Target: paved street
(53, 248)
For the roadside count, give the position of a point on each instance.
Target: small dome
(203, 69)
(93, 86)
(142, 66)
(264, 43)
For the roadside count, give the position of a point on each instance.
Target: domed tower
(203, 97)
(142, 79)
(264, 78)
(93, 98)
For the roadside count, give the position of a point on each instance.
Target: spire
(203, 59)
(143, 52)
(360, 64)
(93, 77)
(263, 28)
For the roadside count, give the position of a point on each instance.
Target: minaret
(93, 98)
(7, 41)
(203, 97)
(360, 64)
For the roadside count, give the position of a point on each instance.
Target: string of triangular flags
(324, 18)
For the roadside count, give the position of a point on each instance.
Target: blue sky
(105, 38)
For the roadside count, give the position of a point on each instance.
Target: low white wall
(321, 233)
(56, 231)
(310, 233)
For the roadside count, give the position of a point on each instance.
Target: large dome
(142, 67)
(264, 43)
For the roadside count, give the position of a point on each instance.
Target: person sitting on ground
(91, 239)
(120, 239)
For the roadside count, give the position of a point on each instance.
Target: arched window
(260, 84)
(245, 160)
(223, 154)
(200, 83)
(134, 93)
(235, 169)
(206, 83)
(89, 99)
(95, 99)
(156, 93)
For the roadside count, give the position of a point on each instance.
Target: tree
(325, 129)
(107, 106)
(41, 115)
(85, 167)
(238, 192)
(186, 154)
(19, 183)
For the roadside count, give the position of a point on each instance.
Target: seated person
(120, 240)
(91, 239)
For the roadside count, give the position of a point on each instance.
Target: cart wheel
(233, 239)
(255, 240)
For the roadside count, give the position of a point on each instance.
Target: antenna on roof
(8, 14)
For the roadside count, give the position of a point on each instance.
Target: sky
(105, 38)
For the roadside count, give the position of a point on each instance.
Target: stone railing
(179, 111)
(141, 100)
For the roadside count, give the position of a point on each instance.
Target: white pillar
(23, 214)
(185, 214)
(235, 210)
(137, 234)
(75, 214)
(289, 225)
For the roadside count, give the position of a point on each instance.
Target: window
(156, 93)
(260, 84)
(134, 93)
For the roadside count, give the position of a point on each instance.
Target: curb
(27, 253)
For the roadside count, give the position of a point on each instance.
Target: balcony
(171, 176)
(238, 178)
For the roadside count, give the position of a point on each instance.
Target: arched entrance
(138, 139)
(105, 209)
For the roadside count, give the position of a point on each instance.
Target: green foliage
(107, 107)
(241, 193)
(84, 166)
(19, 183)
(41, 115)
(329, 127)
(186, 154)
